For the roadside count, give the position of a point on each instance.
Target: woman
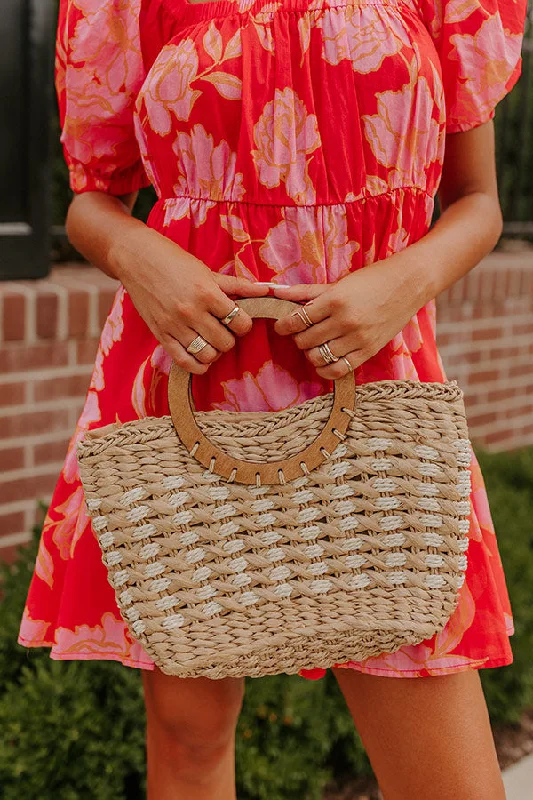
(301, 143)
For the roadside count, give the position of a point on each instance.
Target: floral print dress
(290, 141)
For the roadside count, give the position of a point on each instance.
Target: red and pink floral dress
(290, 141)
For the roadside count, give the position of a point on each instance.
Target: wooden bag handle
(249, 472)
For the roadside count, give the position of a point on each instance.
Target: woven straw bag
(259, 543)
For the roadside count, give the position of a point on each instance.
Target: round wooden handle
(249, 472)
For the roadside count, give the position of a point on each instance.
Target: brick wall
(50, 330)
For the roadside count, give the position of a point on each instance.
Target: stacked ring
(304, 316)
(350, 368)
(197, 345)
(327, 355)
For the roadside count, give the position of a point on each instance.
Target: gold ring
(350, 368)
(197, 345)
(304, 316)
(327, 355)
(231, 316)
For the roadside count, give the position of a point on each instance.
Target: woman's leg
(191, 736)
(427, 738)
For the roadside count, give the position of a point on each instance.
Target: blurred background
(75, 730)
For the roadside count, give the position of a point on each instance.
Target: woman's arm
(362, 312)
(175, 293)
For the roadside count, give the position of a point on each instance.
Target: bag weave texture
(361, 556)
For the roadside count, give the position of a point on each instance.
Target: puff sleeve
(479, 44)
(98, 73)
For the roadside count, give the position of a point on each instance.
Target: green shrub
(75, 729)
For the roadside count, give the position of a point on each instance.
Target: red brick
(8, 555)
(86, 351)
(105, 301)
(64, 386)
(12, 458)
(32, 423)
(521, 369)
(501, 394)
(497, 437)
(27, 488)
(78, 314)
(12, 394)
(47, 311)
(51, 452)
(486, 376)
(504, 352)
(12, 523)
(20, 358)
(523, 328)
(484, 334)
(525, 411)
(14, 316)
(480, 420)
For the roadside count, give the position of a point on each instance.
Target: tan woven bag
(260, 543)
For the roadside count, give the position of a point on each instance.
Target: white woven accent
(464, 459)
(432, 539)
(228, 529)
(342, 491)
(462, 444)
(464, 489)
(210, 609)
(283, 590)
(275, 554)
(426, 452)
(462, 562)
(166, 603)
(227, 510)
(160, 585)
(428, 489)
(202, 574)
(132, 614)
(434, 561)
(463, 545)
(340, 469)
(248, 598)
(264, 520)
(299, 482)
(194, 556)
(93, 504)
(310, 532)
(238, 564)
(99, 523)
(150, 550)
(173, 621)
(260, 506)
(348, 524)
(463, 526)
(431, 520)
(138, 627)
(206, 592)
(394, 540)
(107, 539)
(126, 597)
(463, 508)
(359, 581)
(173, 482)
(270, 537)
(320, 587)
(381, 464)
(241, 580)
(397, 577)
(314, 551)
(319, 568)
(428, 504)
(308, 515)
(279, 573)
(395, 559)
(218, 493)
(355, 562)
(120, 578)
(137, 514)
(390, 523)
(233, 546)
(139, 493)
(144, 531)
(351, 544)
(343, 507)
(179, 499)
(429, 470)
(387, 503)
(210, 477)
(340, 451)
(113, 557)
(384, 485)
(187, 538)
(151, 570)
(375, 443)
(460, 581)
(303, 496)
(434, 581)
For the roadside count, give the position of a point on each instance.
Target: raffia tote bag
(259, 543)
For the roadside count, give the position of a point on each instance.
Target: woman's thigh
(427, 738)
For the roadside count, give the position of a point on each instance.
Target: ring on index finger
(228, 319)
(304, 316)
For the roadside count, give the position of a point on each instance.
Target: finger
(218, 335)
(207, 354)
(302, 292)
(182, 358)
(295, 321)
(340, 368)
(240, 287)
(324, 331)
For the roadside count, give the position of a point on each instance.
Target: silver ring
(350, 368)
(327, 355)
(304, 316)
(197, 345)
(231, 316)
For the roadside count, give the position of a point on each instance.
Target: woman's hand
(355, 317)
(180, 298)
